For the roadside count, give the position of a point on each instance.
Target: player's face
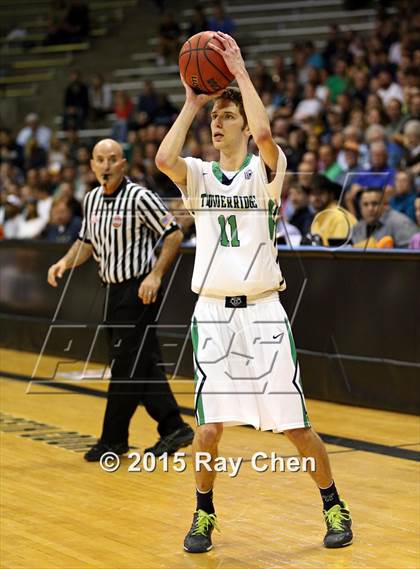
(227, 125)
(108, 164)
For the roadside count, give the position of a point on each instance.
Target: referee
(122, 224)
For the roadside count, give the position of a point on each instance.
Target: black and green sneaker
(338, 522)
(198, 539)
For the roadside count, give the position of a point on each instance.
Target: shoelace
(335, 516)
(204, 520)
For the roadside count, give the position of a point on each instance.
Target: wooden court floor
(59, 512)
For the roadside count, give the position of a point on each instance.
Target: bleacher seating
(25, 59)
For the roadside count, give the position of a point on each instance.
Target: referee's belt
(240, 301)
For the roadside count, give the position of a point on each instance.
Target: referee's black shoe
(95, 453)
(182, 437)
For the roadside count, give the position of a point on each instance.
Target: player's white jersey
(236, 252)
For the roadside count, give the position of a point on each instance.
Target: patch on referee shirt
(116, 221)
(167, 219)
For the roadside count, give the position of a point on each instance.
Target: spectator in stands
(71, 143)
(309, 106)
(359, 90)
(415, 239)
(395, 116)
(34, 130)
(30, 222)
(57, 154)
(100, 98)
(220, 21)
(388, 89)
(411, 142)
(147, 104)
(302, 215)
(261, 78)
(351, 164)
(315, 78)
(32, 179)
(381, 226)
(314, 58)
(333, 44)
(296, 148)
(165, 112)
(10, 175)
(414, 104)
(287, 234)
(10, 209)
(168, 39)
(311, 158)
(66, 192)
(328, 162)
(10, 151)
(77, 21)
(64, 226)
(123, 108)
(299, 65)
(76, 102)
(83, 155)
(306, 175)
(345, 104)
(379, 175)
(377, 133)
(199, 22)
(338, 82)
(279, 68)
(331, 223)
(57, 13)
(334, 123)
(34, 155)
(405, 195)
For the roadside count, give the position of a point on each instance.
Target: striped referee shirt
(124, 229)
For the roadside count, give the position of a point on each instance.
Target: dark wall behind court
(355, 314)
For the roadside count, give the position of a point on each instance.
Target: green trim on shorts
(297, 372)
(199, 404)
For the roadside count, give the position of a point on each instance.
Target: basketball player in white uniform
(246, 371)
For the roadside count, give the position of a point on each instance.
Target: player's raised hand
(231, 53)
(199, 99)
(56, 271)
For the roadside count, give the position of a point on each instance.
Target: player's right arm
(78, 254)
(168, 158)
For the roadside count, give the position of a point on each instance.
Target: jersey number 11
(224, 241)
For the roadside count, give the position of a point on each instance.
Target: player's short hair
(234, 94)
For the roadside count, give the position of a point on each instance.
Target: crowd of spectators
(347, 117)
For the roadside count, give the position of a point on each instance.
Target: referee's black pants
(134, 357)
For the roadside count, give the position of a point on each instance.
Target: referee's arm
(78, 254)
(160, 220)
(149, 288)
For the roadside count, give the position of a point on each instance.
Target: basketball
(202, 67)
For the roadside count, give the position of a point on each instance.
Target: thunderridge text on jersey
(232, 202)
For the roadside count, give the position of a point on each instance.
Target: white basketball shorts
(245, 366)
